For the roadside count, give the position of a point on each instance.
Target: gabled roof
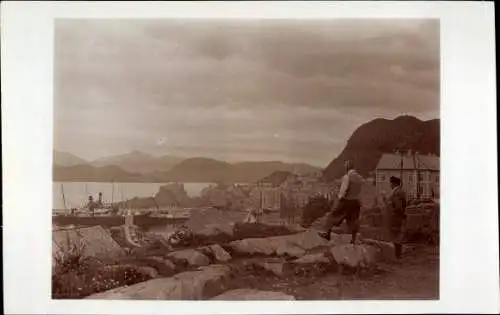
(390, 161)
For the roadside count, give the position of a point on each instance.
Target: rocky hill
(367, 144)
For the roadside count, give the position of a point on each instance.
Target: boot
(325, 234)
(398, 250)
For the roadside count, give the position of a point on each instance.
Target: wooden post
(417, 173)
(401, 169)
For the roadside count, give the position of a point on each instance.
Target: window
(420, 189)
(410, 178)
(437, 178)
(420, 176)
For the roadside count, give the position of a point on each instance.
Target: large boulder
(289, 249)
(252, 294)
(201, 284)
(252, 246)
(342, 239)
(92, 241)
(386, 251)
(314, 264)
(314, 258)
(354, 256)
(191, 256)
(294, 245)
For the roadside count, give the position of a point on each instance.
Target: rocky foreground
(212, 271)
(232, 261)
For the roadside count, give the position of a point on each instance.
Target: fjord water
(77, 193)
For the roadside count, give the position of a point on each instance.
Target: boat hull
(142, 220)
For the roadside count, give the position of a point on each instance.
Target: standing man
(348, 205)
(395, 205)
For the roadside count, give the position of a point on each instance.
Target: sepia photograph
(249, 157)
(199, 159)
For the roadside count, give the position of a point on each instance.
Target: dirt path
(415, 277)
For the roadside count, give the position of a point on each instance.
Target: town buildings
(419, 174)
(285, 192)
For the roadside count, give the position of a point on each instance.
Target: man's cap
(395, 180)
(349, 164)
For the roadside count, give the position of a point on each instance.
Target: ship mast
(113, 192)
(63, 196)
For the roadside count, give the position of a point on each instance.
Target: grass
(75, 275)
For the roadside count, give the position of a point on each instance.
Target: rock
(294, 245)
(164, 266)
(386, 251)
(251, 294)
(354, 256)
(92, 241)
(201, 284)
(252, 246)
(314, 264)
(306, 240)
(219, 253)
(340, 239)
(317, 258)
(191, 256)
(289, 249)
(276, 267)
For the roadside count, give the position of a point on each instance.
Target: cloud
(228, 87)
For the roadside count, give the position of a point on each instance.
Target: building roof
(390, 161)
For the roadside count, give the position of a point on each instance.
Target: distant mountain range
(88, 173)
(365, 147)
(141, 167)
(367, 144)
(66, 159)
(139, 162)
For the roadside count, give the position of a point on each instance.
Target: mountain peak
(369, 141)
(407, 118)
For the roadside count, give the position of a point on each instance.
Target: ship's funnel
(100, 198)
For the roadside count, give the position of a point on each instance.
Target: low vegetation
(75, 276)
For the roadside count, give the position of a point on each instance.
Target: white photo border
(469, 272)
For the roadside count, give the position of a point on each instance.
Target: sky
(237, 90)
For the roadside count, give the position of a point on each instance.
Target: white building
(419, 174)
